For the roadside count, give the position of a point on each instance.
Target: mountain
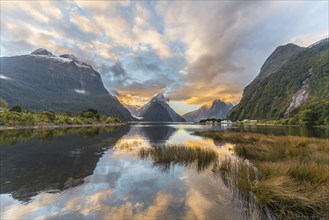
(158, 110)
(41, 80)
(69, 155)
(217, 110)
(292, 77)
(133, 109)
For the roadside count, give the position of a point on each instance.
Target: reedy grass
(166, 156)
(293, 180)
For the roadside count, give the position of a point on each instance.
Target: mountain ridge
(41, 80)
(157, 110)
(297, 74)
(218, 109)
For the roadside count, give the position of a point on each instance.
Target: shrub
(16, 108)
(50, 115)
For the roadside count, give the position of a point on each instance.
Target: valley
(164, 110)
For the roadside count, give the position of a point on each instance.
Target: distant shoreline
(51, 126)
(279, 125)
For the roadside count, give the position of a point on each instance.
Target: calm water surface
(102, 173)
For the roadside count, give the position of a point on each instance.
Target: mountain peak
(69, 56)
(277, 58)
(42, 51)
(217, 101)
(218, 109)
(159, 97)
(157, 109)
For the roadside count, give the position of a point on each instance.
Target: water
(101, 173)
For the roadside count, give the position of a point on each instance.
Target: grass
(293, 172)
(229, 136)
(166, 156)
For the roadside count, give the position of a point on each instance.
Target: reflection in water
(166, 157)
(158, 133)
(15, 136)
(32, 166)
(238, 175)
(285, 130)
(102, 173)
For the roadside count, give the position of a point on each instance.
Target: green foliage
(310, 114)
(16, 108)
(3, 103)
(67, 113)
(90, 113)
(50, 115)
(213, 120)
(28, 118)
(269, 97)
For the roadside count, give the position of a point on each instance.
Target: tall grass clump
(293, 172)
(165, 157)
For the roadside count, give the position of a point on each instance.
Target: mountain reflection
(165, 157)
(15, 136)
(154, 133)
(31, 166)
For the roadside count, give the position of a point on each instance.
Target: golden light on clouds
(198, 51)
(128, 99)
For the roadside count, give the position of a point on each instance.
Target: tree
(94, 111)
(307, 118)
(50, 115)
(90, 113)
(3, 103)
(67, 113)
(16, 108)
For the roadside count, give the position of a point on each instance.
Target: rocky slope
(157, 110)
(41, 81)
(217, 110)
(291, 77)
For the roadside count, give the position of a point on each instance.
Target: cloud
(118, 70)
(196, 51)
(227, 42)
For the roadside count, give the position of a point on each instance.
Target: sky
(193, 51)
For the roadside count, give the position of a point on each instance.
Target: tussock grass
(228, 136)
(293, 179)
(166, 156)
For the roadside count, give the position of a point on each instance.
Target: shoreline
(281, 125)
(52, 126)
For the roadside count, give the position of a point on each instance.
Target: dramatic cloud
(196, 51)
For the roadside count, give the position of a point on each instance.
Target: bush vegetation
(310, 114)
(269, 97)
(18, 117)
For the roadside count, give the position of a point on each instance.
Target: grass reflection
(166, 157)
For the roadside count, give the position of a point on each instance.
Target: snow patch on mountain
(64, 58)
(42, 52)
(4, 77)
(80, 91)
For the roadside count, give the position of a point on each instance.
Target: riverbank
(49, 119)
(278, 124)
(52, 126)
(292, 178)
